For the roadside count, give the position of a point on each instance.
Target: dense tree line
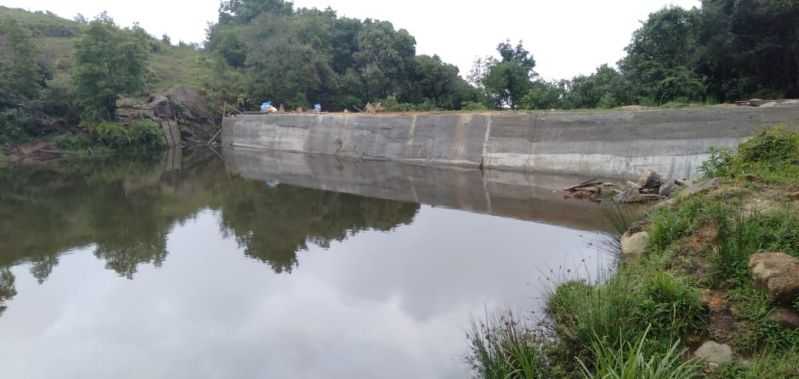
(726, 50)
(299, 57)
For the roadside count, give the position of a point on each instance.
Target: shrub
(772, 155)
(147, 134)
(474, 106)
(110, 134)
(140, 135)
(774, 146)
(718, 165)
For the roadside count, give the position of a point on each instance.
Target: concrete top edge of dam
(605, 143)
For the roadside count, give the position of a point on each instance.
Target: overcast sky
(567, 37)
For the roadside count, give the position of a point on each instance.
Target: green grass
(178, 65)
(631, 361)
(764, 365)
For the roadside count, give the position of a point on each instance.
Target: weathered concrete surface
(508, 194)
(597, 143)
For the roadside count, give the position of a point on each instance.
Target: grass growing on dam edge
(691, 286)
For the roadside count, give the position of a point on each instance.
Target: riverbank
(707, 286)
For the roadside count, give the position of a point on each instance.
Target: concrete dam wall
(618, 144)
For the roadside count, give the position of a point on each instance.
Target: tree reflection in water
(126, 208)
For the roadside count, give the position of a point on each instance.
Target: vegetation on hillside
(693, 284)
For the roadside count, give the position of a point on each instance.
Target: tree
(109, 62)
(661, 58)
(606, 88)
(436, 82)
(507, 81)
(385, 59)
(750, 48)
(21, 76)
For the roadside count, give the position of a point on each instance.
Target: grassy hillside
(56, 38)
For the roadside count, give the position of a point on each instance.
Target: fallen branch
(588, 183)
(211, 141)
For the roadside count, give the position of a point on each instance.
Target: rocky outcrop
(183, 113)
(778, 273)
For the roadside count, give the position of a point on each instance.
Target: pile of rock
(649, 187)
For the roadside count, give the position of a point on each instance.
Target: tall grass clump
(741, 235)
(582, 311)
(504, 348)
(626, 360)
(671, 306)
(671, 224)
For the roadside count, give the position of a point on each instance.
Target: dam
(610, 144)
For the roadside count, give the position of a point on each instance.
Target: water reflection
(133, 268)
(125, 209)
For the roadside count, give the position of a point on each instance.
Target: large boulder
(785, 317)
(634, 244)
(778, 273)
(714, 354)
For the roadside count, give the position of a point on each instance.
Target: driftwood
(588, 183)
(211, 141)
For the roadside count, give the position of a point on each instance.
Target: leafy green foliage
(141, 135)
(508, 80)
(109, 62)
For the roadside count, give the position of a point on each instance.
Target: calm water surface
(133, 269)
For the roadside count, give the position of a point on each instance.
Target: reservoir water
(259, 266)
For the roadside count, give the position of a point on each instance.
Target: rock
(786, 317)
(778, 273)
(162, 107)
(650, 180)
(634, 244)
(794, 196)
(667, 189)
(702, 186)
(714, 354)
